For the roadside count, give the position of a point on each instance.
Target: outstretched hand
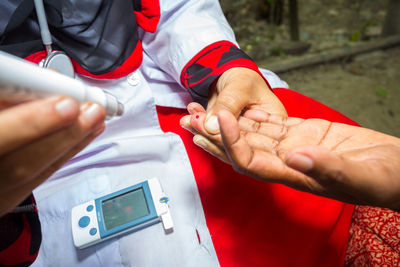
(237, 90)
(347, 163)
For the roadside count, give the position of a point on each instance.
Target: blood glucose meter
(126, 210)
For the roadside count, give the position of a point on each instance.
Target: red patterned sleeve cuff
(202, 71)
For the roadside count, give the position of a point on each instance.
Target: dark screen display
(124, 208)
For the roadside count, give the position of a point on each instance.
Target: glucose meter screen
(124, 208)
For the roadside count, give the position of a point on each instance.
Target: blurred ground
(367, 89)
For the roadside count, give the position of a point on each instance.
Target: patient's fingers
(197, 122)
(274, 126)
(271, 130)
(257, 115)
(211, 148)
(258, 136)
(262, 116)
(254, 141)
(185, 123)
(235, 145)
(257, 163)
(195, 108)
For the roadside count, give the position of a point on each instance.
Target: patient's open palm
(344, 162)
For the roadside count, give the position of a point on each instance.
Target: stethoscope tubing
(54, 59)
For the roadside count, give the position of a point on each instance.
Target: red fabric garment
(148, 16)
(374, 238)
(217, 58)
(130, 64)
(20, 235)
(254, 223)
(18, 252)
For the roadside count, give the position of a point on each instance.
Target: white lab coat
(133, 148)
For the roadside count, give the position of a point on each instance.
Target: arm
(347, 163)
(195, 45)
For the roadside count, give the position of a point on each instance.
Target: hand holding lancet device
(126, 210)
(21, 80)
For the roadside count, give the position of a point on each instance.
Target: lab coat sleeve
(194, 44)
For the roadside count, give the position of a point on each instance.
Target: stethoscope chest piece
(59, 61)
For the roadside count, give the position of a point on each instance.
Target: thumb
(230, 99)
(341, 178)
(326, 167)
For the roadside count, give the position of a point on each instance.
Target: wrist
(248, 77)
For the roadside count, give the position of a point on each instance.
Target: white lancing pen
(21, 80)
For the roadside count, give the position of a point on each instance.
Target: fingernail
(186, 128)
(92, 113)
(184, 122)
(190, 109)
(212, 125)
(198, 140)
(300, 162)
(67, 108)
